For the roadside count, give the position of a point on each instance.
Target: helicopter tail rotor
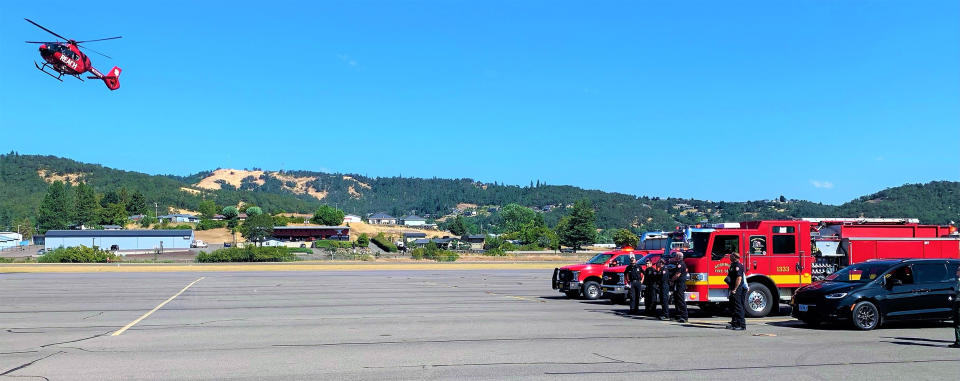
(111, 79)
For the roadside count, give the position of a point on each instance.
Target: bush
(384, 244)
(331, 244)
(301, 250)
(81, 254)
(431, 251)
(248, 254)
(497, 252)
(211, 224)
(363, 240)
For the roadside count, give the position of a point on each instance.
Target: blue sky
(818, 100)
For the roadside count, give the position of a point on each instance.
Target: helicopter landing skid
(59, 74)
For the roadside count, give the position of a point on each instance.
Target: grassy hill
(24, 179)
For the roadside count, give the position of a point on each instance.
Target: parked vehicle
(227, 244)
(584, 279)
(198, 244)
(614, 284)
(870, 293)
(781, 256)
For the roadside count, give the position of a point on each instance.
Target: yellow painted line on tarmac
(198, 267)
(126, 327)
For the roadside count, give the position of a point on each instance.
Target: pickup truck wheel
(591, 290)
(759, 301)
(573, 294)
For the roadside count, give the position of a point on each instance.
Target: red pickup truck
(584, 280)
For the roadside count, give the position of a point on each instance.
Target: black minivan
(870, 293)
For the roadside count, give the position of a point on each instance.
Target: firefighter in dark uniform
(651, 283)
(678, 283)
(956, 313)
(738, 293)
(666, 272)
(634, 281)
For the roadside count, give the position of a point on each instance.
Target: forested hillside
(24, 180)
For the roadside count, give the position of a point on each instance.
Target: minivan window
(859, 273)
(930, 272)
(904, 274)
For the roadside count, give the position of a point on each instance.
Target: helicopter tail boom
(111, 79)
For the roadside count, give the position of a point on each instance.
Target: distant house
(219, 217)
(242, 216)
(137, 217)
(351, 218)
(413, 235)
(311, 233)
(475, 241)
(179, 218)
(382, 219)
(413, 220)
(443, 243)
(112, 227)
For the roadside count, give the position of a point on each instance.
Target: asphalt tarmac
(413, 324)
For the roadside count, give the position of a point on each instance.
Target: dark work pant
(680, 298)
(739, 301)
(665, 299)
(956, 322)
(650, 299)
(634, 296)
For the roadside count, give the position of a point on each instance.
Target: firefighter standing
(956, 314)
(651, 282)
(666, 272)
(634, 281)
(738, 293)
(678, 281)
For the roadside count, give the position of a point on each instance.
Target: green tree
(514, 216)
(25, 227)
(230, 212)
(624, 238)
(457, 226)
(207, 209)
(114, 214)
(138, 203)
(257, 228)
(56, 210)
(363, 240)
(327, 215)
(87, 206)
(254, 211)
(579, 227)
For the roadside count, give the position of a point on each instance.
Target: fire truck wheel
(591, 290)
(759, 301)
(865, 316)
(573, 294)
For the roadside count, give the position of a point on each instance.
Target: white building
(10, 239)
(351, 218)
(413, 220)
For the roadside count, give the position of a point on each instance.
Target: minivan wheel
(865, 316)
(591, 290)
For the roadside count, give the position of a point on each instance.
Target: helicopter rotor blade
(100, 39)
(40, 42)
(48, 30)
(86, 48)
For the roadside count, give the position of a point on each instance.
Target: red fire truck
(781, 256)
(584, 279)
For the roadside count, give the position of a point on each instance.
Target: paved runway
(376, 325)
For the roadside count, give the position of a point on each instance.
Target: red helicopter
(66, 58)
